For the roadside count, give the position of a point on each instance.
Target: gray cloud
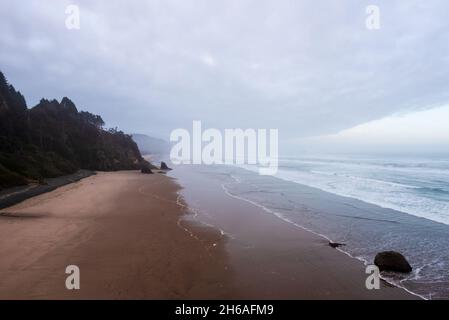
(305, 67)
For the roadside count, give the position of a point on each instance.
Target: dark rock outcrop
(392, 261)
(336, 244)
(146, 170)
(164, 166)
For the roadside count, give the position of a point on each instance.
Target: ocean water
(416, 186)
(370, 204)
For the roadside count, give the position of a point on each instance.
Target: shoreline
(365, 229)
(335, 274)
(363, 261)
(137, 236)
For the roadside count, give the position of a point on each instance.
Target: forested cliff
(54, 138)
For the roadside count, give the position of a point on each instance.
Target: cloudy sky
(309, 68)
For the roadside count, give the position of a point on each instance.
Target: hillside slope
(54, 138)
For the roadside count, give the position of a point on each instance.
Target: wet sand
(133, 238)
(274, 259)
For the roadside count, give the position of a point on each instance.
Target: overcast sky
(308, 68)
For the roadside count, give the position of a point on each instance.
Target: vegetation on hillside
(54, 138)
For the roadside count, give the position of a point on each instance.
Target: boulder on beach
(164, 166)
(146, 170)
(392, 261)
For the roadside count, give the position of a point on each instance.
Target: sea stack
(164, 166)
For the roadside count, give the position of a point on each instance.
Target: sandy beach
(133, 237)
(121, 229)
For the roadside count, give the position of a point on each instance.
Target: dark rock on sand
(164, 166)
(146, 170)
(392, 261)
(336, 244)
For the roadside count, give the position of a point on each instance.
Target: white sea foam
(282, 217)
(418, 188)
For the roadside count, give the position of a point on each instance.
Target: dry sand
(121, 229)
(126, 233)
